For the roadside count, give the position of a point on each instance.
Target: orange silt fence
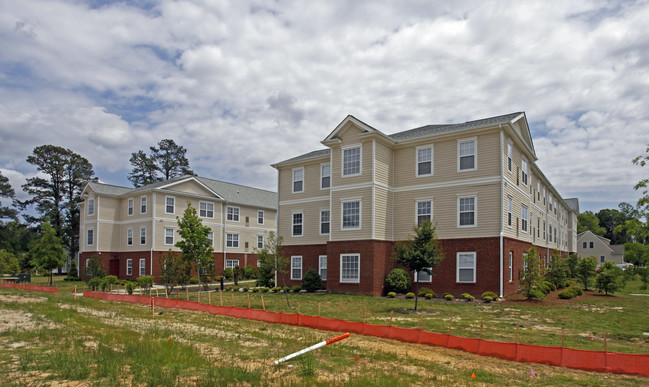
(30, 287)
(572, 358)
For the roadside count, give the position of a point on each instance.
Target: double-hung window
(351, 211)
(524, 171)
(298, 180)
(424, 211)
(210, 236)
(550, 233)
(143, 235)
(425, 161)
(170, 205)
(325, 176)
(129, 237)
(260, 216)
(524, 218)
(231, 263)
(511, 266)
(467, 211)
(325, 220)
(509, 211)
(206, 210)
(352, 161)
(143, 205)
(142, 266)
(130, 206)
(233, 214)
(129, 267)
(466, 155)
(296, 268)
(509, 157)
(298, 221)
(585, 245)
(231, 240)
(260, 242)
(90, 237)
(91, 207)
(322, 267)
(350, 265)
(422, 276)
(466, 264)
(169, 236)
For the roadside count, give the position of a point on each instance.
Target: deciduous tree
(610, 278)
(48, 252)
(531, 274)
(8, 263)
(589, 221)
(586, 270)
(195, 244)
(420, 253)
(271, 258)
(636, 253)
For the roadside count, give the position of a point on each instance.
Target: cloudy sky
(243, 84)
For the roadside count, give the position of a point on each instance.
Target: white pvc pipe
(311, 348)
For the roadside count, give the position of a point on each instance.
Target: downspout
(502, 193)
(224, 207)
(153, 219)
(151, 259)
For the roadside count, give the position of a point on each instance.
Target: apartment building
(342, 208)
(131, 228)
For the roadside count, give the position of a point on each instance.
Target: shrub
(129, 287)
(107, 281)
(424, 291)
(392, 294)
(448, 296)
(255, 290)
(232, 288)
(311, 281)
(228, 273)
(277, 289)
(570, 293)
(550, 285)
(296, 288)
(94, 283)
(398, 280)
(489, 296)
(208, 279)
(579, 290)
(429, 296)
(286, 289)
(410, 295)
(245, 288)
(250, 272)
(193, 280)
(265, 289)
(468, 297)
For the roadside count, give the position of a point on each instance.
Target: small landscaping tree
(94, 268)
(421, 252)
(174, 271)
(610, 278)
(572, 262)
(271, 258)
(558, 270)
(643, 272)
(8, 263)
(586, 270)
(195, 244)
(48, 252)
(311, 281)
(398, 281)
(531, 275)
(73, 272)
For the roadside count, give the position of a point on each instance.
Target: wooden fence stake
(391, 314)
(150, 291)
(480, 329)
(421, 320)
(263, 305)
(199, 296)
(209, 298)
(156, 292)
(318, 309)
(248, 300)
(166, 295)
(517, 333)
(111, 288)
(221, 296)
(187, 293)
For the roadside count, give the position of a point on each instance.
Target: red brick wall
(309, 254)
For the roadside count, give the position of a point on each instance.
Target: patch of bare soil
(11, 299)
(552, 299)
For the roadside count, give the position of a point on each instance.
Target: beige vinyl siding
(123, 246)
(108, 208)
(311, 180)
(108, 236)
(519, 198)
(445, 211)
(383, 166)
(365, 195)
(246, 235)
(382, 213)
(191, 187)
(366, 165)
(445, 161)
(310, 223)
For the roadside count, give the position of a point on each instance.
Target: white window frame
(511, 266)
(129, 237)
(210, 236)
(323, 176)
(129, 267)
(142, 229)
(432, 162)
(296, 259)
(509, 211)
(142, 267)
(475, 210)
(90, 236)
(321, 266)
(231, 241)
(524, 171)
(130, 207)
(231, 263)
(360, 160)
(91, 206)
(509, 156)
(350, 280)
(260, 216)
(204, 213)
(173, 204)
(173, 237)
(328, 221)
(301, 169)
(457, 265)
(430, 276)
(301, 223)
(260, 242)
(144, 204)
(230, 215)
(342, 214)
(524, 217)
(475, 153)
(417, 214)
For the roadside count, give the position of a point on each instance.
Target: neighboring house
(131, 228)
(589, 244)
(342, 208)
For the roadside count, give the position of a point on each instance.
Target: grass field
(54, 338)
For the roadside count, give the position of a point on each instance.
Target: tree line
(54, 195)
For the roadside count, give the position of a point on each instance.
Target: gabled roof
(617, 249)
(334, 135)
(230, 192)
(307, 156)
(605, 241)
(573, 204)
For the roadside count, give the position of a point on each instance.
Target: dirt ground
(553, 299)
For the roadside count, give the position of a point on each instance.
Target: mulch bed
(553, 299)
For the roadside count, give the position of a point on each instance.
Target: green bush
(448, 296)
(107, 281)
(277, 289)
(129, 287)
(94, 283)
(286, 289)
(232, 288)
(250, 272)
(311, 281)
(491, 295)
(296, 288)
(228, 273)
(579, 290)
(265, 289)
(468, 297)
(543, 287)
(145, 281)
(425, 291)
(569, 293)
(550, 285)
(193, 280)
(410, 295)
(398, 280)
(208, 279)
(392, 294)
(429, 296)
(536, 293)
(245, 289)
(255, 290)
